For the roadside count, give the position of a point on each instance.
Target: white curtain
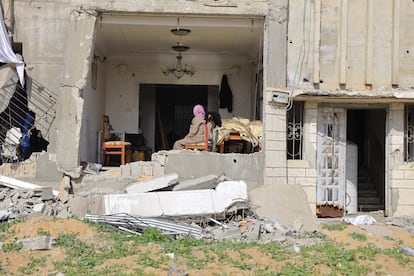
(6, 53)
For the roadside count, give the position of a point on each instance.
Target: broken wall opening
(127, 96)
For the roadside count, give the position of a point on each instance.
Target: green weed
(335, 227)
(15, 246)
(358, 236)
(32, 266)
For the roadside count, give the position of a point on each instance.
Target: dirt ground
(12, 260)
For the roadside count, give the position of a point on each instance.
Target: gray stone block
(38, 207)
(148, 171)
(204, 182)
(158, 170)
(125, 170)
(275, 203)
(36, 243)
(136, 169)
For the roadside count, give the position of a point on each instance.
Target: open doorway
(366, 130)
(166, 110)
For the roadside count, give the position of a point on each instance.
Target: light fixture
(180, 47)
(179, 70)
(180, 31)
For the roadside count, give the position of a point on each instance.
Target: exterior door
(331, 155)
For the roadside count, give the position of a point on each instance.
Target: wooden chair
(203, 145)
(121, 148)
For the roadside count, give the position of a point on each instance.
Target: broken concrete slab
(80, 206)
(152, 184)
(18, 184)
(177, 203)
(38, 208)
(275, 202)
(377, 230)
(36, 243)
(204, 182)
(46, 193)
(4, 214)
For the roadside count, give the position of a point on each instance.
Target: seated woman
(196, 132)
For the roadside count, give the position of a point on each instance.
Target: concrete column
(394, 153)
(310, 132)
(8, 14)
(78, 56)
(274, 119)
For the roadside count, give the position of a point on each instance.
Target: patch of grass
(32, 266)
(150, 251)
(340, 260)
(146, 260)
(15, 246)
(399, 256)
(335, 227)
(277, 251)
(358, 236)
(80, 257)
(42, 232)
(117, 270)
(152, 235)
(5, 228)
(368, 252)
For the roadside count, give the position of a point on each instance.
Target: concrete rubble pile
(16, 203)
(208, 207)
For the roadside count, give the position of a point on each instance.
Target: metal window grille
(409, 134)
(294, 131)
(40, 100)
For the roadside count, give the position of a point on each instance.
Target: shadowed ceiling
(139, 35)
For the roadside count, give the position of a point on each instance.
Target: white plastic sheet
(6, 52)
(360, 220)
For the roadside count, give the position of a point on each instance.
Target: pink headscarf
(198, 111)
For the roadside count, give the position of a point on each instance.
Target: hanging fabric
(226, 96)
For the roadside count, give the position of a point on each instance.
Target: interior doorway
(366, 130)
(166, 111)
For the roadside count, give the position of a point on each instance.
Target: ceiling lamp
(179, 31)
(180, 47)
(179, 71)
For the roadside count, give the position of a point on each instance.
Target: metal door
(331, 146)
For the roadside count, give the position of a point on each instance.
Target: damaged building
(330, 83)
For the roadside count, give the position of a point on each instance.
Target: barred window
(294, 131)
(409, 133)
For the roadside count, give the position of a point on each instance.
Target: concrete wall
(122, 89)
(94, 107)
(359, 44)
(400, 174)
(187, 165)
(363, 46)
(300, 172)
(274, 68)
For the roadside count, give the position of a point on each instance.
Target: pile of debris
(16, 203)
(209, 207)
